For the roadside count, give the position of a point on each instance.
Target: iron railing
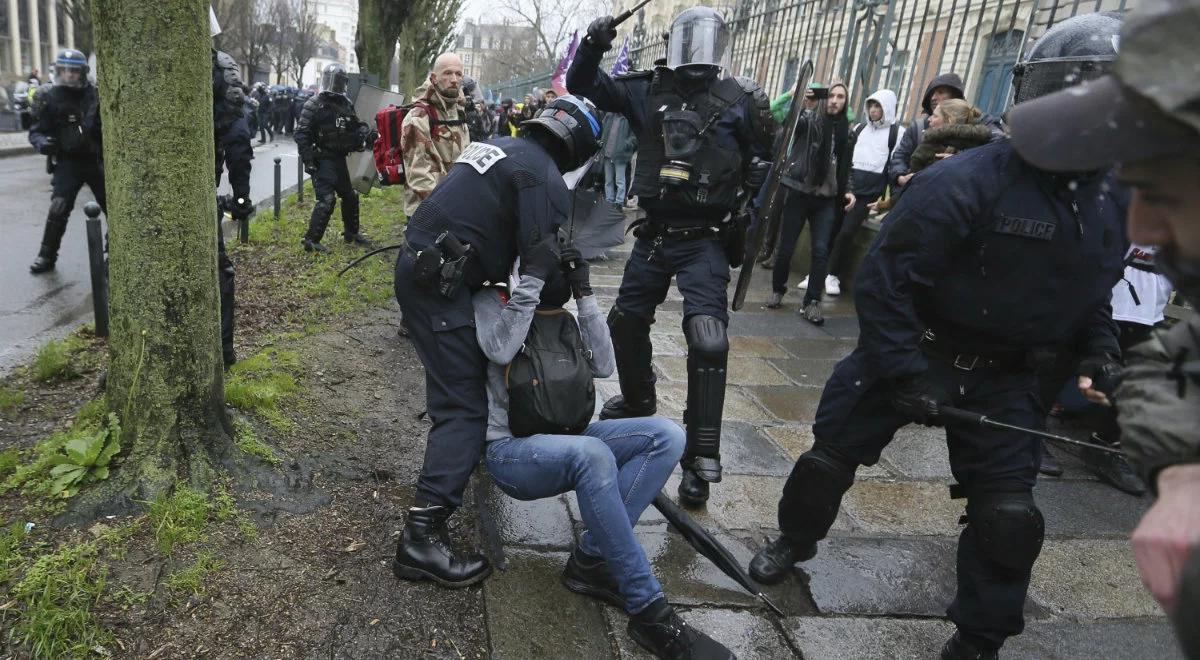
(870, 44)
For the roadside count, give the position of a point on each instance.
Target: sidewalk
(15, 144)
(880, 584)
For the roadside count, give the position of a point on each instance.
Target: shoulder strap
(892, 133)
(858, 129)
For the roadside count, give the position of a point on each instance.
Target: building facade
(341, 16)
(31, 33)
(493, 51)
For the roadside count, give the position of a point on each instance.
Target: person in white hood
(877, 139)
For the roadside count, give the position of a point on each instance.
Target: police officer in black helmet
(956, 299)
(328, 131)
(698, 136)
(501, 198)
(68, 128)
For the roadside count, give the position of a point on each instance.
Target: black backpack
(550, 383)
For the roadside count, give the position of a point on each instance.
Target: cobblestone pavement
(880, 584)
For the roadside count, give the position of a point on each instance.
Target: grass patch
(53, 360)
(248, 441)
(260, 383)
(10, 551)
(70, 458)
(191, 579)
(10, 399)
(9, 460)
(56, 596)
(179, 518)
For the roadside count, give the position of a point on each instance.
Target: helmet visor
(1042, 77)
(69, 75)
(703, 40)
(335, 81)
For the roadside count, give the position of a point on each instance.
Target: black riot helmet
(334, 79)
(697, 43)
(571, 122)
(70, 68)
(1076, 50)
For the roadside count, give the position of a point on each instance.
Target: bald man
(434, 132)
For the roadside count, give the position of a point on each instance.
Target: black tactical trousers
(443, 332)
(856, 420)
(332, 181)
(69, 176)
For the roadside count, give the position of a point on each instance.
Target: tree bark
(165, 374)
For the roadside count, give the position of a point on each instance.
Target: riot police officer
(501, 198)
(697, 136)
(68, 128)
(956, 298)
(232, 136)
(327, 132)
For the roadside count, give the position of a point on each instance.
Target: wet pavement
(36, 309)
(879, 585)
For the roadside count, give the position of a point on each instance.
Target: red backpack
(389, 157)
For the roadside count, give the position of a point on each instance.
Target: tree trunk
(375, 48)
(165, 374)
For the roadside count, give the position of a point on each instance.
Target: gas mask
(682, 138)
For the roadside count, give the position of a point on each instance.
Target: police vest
(340, 134)
(681, 133)
(228, 96)
(73, 114)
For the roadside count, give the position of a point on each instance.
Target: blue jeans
(614, 180)
(616, 468)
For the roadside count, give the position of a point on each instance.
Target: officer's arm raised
(585, 78)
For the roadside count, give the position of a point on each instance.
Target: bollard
(278, 185)
(95, 239)
(299, 179)
(243, 223)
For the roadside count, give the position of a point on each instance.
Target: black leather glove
(240, 207)
(576, 270)
(541, 259)
(756, 175)
(600, 34)
(49, 147)
(310, 167)
(918, 399)
(1104, 370)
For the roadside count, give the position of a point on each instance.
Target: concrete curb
(22, 150)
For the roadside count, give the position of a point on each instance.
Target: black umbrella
(968, 417)
(707, 545)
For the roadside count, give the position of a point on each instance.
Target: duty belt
(658, 231)
(1002, 360)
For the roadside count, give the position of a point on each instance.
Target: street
(35, 309)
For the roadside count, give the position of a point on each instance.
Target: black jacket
(68, 123)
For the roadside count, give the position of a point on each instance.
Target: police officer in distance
(233, 151)
(954, 301)
(328, 131)
(68, 129)
(698, 135)
(501, 198)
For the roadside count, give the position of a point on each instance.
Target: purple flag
(559, 80)
(621, 65)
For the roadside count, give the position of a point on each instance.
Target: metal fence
(871, 44)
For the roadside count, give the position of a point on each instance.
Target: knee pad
(706, 337)
(324, 206)
(826, 469)
(60, 210)
(1009, 528)
(624, 327)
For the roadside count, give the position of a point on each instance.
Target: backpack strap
(892, 133)
(858, 129)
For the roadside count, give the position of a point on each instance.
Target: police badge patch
(1025, 227)
(481, 156)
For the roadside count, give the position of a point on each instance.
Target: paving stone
(744, 347)
(824, 348)
(842, 327)
(542, 523)
(842, 638)
(1090, 579)
(1106, 638)
(774, 323)
(740, 371)
(791, 403)
(1088, 508)
(920, 452)
(903, 508)
(743, 502)
(745, 450)
(672, 399)
(798, 438)
(664, 344)
(530, 615)
(812, 372)
(747, 634)
(882, 576)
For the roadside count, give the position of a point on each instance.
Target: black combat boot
(659, 630)
(44, 262)
(56, 226)
(314, 246)
(424, 552)
(773, 563)
(589, 576)
(631, 344)
(1112, 469)
(358, 239)
(693, 490)
(959, 647)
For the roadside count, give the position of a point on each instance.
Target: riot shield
(766, 221)
(361, 164)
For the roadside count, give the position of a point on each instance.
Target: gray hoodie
(501, 330)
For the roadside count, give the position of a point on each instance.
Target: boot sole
(418, 575)
(585, 589)
(646, 413)
(785, 573)
(649, 649)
